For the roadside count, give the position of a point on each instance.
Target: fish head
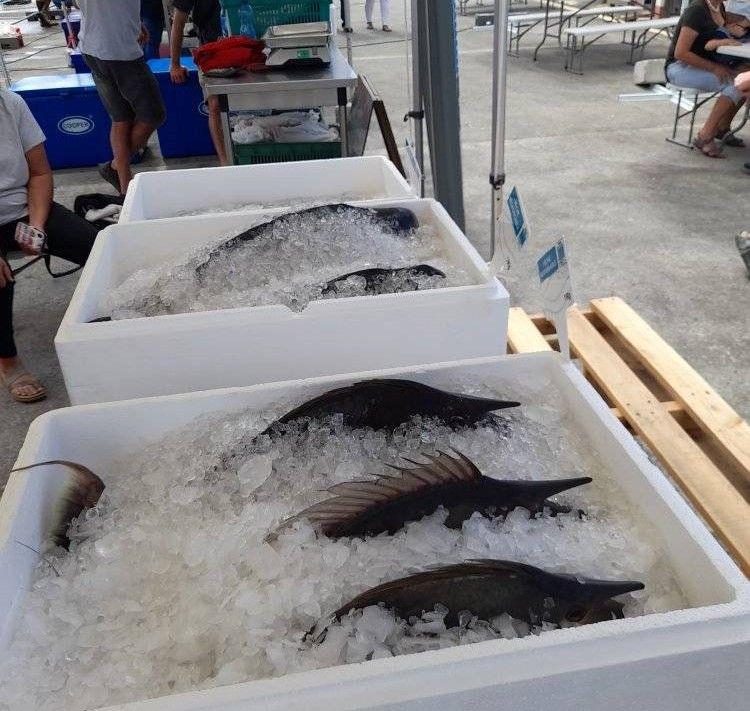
(396, 219)
(574, 613)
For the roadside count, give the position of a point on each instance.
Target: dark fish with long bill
(488, 588)
(391, 220)
(386, 504)
(386, 404)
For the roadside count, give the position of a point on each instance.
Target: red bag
(229, 52)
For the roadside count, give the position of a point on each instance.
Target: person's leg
(138, 86)
(686, 76)
(385, 14)
(22, 386)
(216, 129)
(119, 138)
(117, 171)
(369, 5)
(720, 115)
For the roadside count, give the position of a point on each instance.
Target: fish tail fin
(82, 490)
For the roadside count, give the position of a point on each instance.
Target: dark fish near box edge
(82, 490)
(396, 220)
(372, 277)
(375, 275)
(488, 588)
(386, 504)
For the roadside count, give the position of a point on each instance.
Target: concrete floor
(644, 219)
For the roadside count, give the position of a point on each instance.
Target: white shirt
(19, 133)
(110, 29)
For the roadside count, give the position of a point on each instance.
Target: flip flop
(110, 175)
(732, 140)
(17, 379)
(708, 147)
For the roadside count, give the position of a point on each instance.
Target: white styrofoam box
(162, 355)
(159, 194)
(696, 659)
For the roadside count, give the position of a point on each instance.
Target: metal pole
(439, 53)
(346, 24)
(417, 113)
(497, 174)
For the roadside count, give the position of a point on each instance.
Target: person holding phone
(29, 221)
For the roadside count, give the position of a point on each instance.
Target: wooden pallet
(697, 437)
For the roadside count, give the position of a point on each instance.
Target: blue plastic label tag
(517, 217)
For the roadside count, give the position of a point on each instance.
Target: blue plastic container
(78, 63)
(185, 132)
(72, 117)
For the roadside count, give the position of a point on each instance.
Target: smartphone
(30, 238)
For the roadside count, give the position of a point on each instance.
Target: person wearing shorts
(692, 63)
(110, 40)
(207, 20)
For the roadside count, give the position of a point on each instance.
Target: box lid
(55, 85)
(161, 66)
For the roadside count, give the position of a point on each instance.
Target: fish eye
(575, 614)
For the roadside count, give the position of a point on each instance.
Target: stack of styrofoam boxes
(186, 352)
(693, 659)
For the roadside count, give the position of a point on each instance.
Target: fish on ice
(378, 279)
(386, 504)
(391, 220)
(488, 588)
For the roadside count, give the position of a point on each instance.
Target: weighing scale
(303, 44)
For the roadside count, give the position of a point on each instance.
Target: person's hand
(178, 73)
(723, 73)
(736, 29)
(143, 36)
(6, 276)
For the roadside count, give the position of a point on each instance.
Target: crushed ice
(169, 585)
(289, 265)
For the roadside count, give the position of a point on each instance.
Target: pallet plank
(523, 335)
(721, 504)
(709, 410)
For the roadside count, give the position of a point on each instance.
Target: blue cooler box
(72, 117)
(185, 132)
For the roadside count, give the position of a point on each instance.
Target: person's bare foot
(22, 385)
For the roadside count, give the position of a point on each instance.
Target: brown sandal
(708, 147)
(19, 378)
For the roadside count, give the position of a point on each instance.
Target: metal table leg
(343, 100)
(226, 127)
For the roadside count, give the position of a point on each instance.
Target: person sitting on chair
(26, 197)
(691, 63)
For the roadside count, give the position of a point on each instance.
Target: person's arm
(683, 52)
(39, 186)
(742, 82)
(714, 44)
(177, 72)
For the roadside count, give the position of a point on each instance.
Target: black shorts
(128, 90)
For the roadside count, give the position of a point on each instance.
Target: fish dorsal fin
(354, 498)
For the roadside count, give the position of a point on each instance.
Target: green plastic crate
(278, 12)
(255, 153)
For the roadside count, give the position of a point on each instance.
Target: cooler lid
(161, 66)
(52, 85)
